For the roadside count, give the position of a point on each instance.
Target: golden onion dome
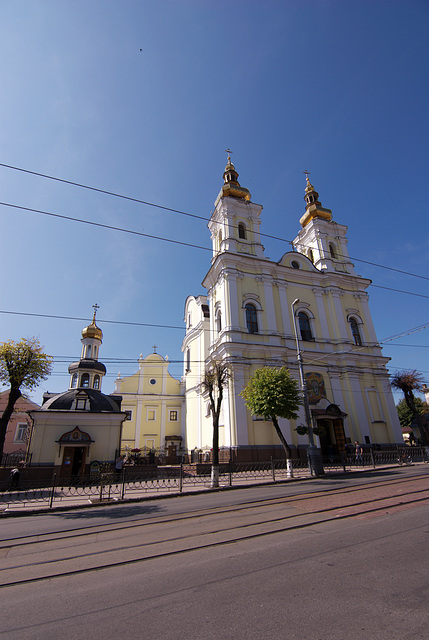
(92, 331)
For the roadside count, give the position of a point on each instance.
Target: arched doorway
(75, 447)
(332, 438)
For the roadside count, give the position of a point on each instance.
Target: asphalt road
(317, 560)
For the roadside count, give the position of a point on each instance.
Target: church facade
(155, 405)
(248, 320)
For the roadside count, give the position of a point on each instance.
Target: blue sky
(338, 88)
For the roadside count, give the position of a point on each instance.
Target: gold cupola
(313, 207)
(231, 186)
(92, 331)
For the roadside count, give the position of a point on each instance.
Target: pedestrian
(14, 479)
(359, 453)
(119, 465)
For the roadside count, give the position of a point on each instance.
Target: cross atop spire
(228, 151)
(154, 347)
(95, 307)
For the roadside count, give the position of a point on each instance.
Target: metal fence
(133, 483)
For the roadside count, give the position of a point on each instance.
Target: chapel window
(218, 321)
(304, 326)
(354, 327)
(74, 381)
(241, 230)
(332, 251)
(251, 318)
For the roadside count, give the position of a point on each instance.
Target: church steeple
(231, 186)
(88, 372)
(313, 207)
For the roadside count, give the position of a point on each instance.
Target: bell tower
(322, 239)
(88, 372)
(235, 222)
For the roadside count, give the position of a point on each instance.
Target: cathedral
(248, 320)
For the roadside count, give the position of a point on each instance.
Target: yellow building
(247, 320)
(154, 402)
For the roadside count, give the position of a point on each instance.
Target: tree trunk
(14, 394)
(282, 438)
(215, 453)
(410, 402)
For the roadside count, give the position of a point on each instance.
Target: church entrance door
(333, 440)
(73, 463)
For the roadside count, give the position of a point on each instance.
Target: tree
(407, 382)
(404, 413)
(22, 366)
(272, 393)
(216, 377)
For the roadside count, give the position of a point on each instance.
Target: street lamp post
(315, 461)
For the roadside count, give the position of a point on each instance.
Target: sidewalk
(23, 506)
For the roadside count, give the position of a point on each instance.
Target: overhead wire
(172, 210)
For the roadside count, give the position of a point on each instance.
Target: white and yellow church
(246, 319)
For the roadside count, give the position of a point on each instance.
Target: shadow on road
(114, 512)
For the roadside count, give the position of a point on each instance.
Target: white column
(284, 308)
(339, 314)
(322, 314)
(368, 324)
(270, 311)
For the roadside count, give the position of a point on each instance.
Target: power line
(184, 213)
(104, 226)
(136, 324)
(186, 244)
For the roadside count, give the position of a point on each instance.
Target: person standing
(119, 465)
(358, 453)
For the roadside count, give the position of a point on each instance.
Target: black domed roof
(88, 364)
(96, 401)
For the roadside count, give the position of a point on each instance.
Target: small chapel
(248, 318)
(81, 426)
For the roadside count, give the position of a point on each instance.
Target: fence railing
(135, 483)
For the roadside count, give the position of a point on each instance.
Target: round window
(295, 264)
(152, 381)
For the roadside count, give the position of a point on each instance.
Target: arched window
(88, 351)
(188, 359)
(96, 382)
(220, 240)
(332, 250)
(219, 321)
(84, 381)
(242, 230)
(354, 327)
(74, 381)
(251, 318)
(304, 326)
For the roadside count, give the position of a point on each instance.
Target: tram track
(77, 532)
(103, 549)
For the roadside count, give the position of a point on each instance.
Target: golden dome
(92, 331)
(231, 186)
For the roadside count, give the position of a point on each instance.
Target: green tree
(272, 393)
(404, 413)
(216, 377)
(407, 382)
(22, 366)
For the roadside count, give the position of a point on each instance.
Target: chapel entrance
(73, 464)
